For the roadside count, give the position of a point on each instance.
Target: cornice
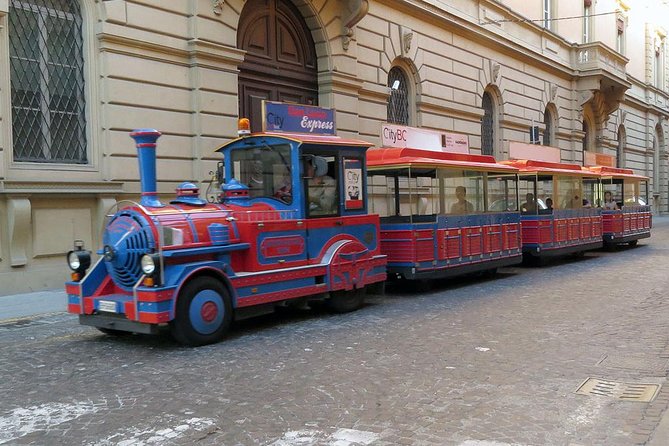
(474, 31)
(12, 187)
(340, 80)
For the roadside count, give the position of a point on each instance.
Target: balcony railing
(596, 56)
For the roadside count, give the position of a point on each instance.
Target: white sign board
(402, 136)
(525, 151)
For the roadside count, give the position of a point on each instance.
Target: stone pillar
(19, 225)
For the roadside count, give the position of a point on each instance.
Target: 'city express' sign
(296, 118)
(402, 136)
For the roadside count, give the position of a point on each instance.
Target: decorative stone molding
(218, 6)
(18, 221)
(357, 9)
(4, 7)
(553, 92)
(494, 71)
(406, 37)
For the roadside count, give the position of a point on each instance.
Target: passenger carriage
(557, 208)
(195, 266)
(627, 217)
(443, 214)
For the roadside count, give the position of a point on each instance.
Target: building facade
(77, 75)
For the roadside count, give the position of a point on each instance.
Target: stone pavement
(468, 362)
(30, 304)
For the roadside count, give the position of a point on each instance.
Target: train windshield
(265, 169)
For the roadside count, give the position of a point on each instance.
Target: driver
(322, 188)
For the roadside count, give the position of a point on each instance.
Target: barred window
(487, 125)
(47, 81)
(586, 136)
(548, 123)
(620, 149)
(398, 102)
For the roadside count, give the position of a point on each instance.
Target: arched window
(398, 101)
(620, 148)
(47, 81)
(488, 125)
(548, 123)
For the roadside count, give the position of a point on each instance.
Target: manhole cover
(643, 393)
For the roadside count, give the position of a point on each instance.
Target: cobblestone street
(467, 362)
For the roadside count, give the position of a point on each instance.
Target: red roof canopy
(615, 172)
(394, 156)
(548, 167)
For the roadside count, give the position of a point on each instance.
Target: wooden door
(280, 60)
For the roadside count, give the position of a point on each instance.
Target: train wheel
(345, 301)
(203, 312)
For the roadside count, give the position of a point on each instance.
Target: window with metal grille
(487, 126)
(47, 81)
(398, 101)
(548, 123)
(586, 136)
(620, 150)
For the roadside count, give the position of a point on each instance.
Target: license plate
(107, 306)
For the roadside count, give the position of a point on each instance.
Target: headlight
(149, 264)
(79, 260)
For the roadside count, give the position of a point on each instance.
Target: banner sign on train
(402, 136)
(297, 118)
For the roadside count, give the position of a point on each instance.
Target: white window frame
(587, 23)
(548, 14)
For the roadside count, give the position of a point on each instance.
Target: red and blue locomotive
(291, 225)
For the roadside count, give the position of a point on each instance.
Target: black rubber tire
(184, 329)
(346, 301)
(633, 243)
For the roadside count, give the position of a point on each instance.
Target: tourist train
(300, 217)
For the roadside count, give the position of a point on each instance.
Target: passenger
(462, 206)
(586, 203)
(572, 201)
(322, 188)
(609, 202)
(284, 191)
(549, 204)
(530, 205)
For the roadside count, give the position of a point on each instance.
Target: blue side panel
(93, 279)
(365, 233)
(275, 287)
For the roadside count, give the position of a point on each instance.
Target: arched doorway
(280, 61)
